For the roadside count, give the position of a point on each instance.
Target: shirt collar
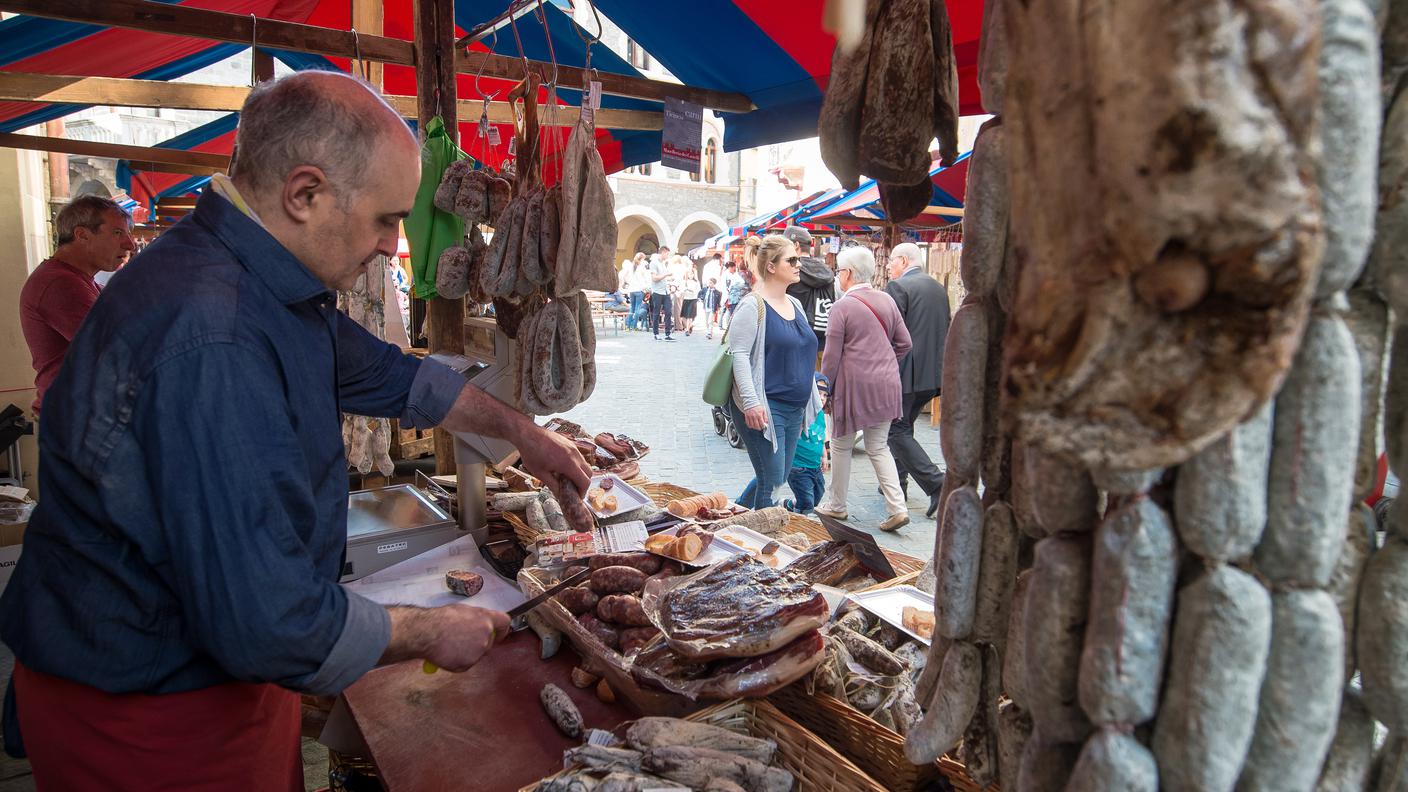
(280, 271)
(911, 268)
(858, 286)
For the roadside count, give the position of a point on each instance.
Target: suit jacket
(924, 305)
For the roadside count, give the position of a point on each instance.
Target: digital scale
(390, 524)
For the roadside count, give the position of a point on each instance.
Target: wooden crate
(812, 762)
(409, 443)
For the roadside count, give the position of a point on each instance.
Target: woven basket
(815, 765)
(875, 749)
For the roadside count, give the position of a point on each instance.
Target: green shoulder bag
(718, 385)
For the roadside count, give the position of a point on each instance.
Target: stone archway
(640, 229)
(694, 229)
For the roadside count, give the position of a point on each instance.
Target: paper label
(683, 134)
(391, 547)
(594, 95)
(512, 143)
(494, 137)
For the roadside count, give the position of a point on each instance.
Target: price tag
(494, 136)
(594, 96)
(512, 144)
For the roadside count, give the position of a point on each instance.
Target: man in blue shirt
(194, 517)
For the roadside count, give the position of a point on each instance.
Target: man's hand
(556, 460)
(453, 637)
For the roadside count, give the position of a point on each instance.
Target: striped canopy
(862, 207)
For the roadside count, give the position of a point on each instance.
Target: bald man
(179, 580)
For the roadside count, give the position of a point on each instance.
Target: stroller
(723, 425)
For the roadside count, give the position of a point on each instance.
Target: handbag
(718, 385)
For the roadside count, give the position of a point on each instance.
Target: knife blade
(519, 611)
(528, 605)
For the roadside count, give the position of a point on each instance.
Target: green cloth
(428, 230)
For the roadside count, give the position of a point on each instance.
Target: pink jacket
(866, 339)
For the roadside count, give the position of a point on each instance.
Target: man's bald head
(329, 120)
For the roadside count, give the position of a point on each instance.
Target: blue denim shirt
(193, 516)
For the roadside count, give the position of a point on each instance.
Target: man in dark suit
(924, 305)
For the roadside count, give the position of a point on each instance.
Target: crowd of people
(823, 360)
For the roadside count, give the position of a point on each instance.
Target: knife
(519, 611)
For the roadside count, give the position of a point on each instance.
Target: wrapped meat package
(658, 665)
(735, 608)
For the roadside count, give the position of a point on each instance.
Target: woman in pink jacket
(866, 339)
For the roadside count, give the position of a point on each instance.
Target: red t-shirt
(53, 303)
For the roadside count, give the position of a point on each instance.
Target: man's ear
(304, 186)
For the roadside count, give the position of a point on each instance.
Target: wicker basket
(877, 750)
(815, 765)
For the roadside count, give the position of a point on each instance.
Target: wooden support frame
(197, 163)
(435, 78)
(121, 92)
(183, 20)
(220, 26)
(510, 68)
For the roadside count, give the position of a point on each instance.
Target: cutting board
(482, 730)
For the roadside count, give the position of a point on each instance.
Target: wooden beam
(435, 78)
(367, 18)
(168, 160)
(118, 92)
(510, 68)
(180, 20)
(177, 202)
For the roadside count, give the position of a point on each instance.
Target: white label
(391, 547)
(484, 128)
(513, 145)
(494, 136)
(594, 96)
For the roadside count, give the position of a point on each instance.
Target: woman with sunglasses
(774, 356)
(866, 338)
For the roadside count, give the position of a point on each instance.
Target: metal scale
(390, 524)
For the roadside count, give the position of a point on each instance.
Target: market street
(651, 390)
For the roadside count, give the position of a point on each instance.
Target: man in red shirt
(94, 235)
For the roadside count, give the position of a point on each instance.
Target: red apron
(233, 737)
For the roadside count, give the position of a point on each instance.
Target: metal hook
(359, 64)
(590, 39)
(547, 34)
(483, 63)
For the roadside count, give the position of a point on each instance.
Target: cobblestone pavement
(651, 390)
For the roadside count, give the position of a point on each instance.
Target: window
(711, 161)
(636, 55)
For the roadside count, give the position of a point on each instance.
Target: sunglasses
(793, 260)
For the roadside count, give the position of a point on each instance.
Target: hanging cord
(482, 130)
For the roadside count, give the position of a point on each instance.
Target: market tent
(862, 207)
(777, 55)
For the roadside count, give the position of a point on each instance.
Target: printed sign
(681, 140)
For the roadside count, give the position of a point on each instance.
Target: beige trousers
(877, 447)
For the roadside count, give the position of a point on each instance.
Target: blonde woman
(774, 355)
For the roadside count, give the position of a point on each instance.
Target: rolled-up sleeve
(377, 379)
(237, 510)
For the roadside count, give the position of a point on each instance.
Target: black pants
(660, 314)
(910, 457)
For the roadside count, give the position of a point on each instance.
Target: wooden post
(367, 19)
(263, 65)
(435, 88)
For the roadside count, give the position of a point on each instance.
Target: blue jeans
(633, 319)
(770, 466)
(808, 485)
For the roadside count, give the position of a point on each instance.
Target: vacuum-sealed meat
(828, 563)
(659, 665)
(736, 608)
